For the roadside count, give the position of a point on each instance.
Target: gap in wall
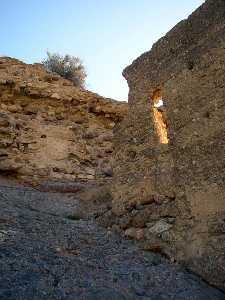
(159, 116)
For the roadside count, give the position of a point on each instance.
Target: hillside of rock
(50, 129)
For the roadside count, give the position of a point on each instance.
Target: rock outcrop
(169, 183)
(51, 130)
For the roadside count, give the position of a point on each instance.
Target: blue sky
(107, 34)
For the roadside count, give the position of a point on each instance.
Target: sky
(106, 34)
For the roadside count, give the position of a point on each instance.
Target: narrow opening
(159, 116)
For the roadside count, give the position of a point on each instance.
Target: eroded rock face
(50, 129)
(9, 162)
(170, 163)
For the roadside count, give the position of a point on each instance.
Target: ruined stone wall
(172, 195)
(51, 130)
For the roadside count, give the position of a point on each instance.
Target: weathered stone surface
(159, 227)
(57, 130)
(135, 233)
(177, 151)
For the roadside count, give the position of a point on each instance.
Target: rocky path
(45, 255)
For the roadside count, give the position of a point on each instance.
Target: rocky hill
(51, 129)
(168, 186)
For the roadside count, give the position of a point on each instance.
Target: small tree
(69, 67)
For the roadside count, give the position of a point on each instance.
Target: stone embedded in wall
(159, 227)
(135, 233)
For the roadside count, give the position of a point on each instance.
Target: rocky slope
(45, 254)
(50, 129)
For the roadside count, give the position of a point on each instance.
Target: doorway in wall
(159, 116)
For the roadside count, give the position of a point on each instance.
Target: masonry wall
(172, 196)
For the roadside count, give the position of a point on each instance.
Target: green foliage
(69, 67)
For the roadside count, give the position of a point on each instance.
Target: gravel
(45, 255)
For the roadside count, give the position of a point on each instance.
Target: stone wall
(51, 130)
(172, 195)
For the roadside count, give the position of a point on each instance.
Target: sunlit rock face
(51, 130)
(169, 162)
